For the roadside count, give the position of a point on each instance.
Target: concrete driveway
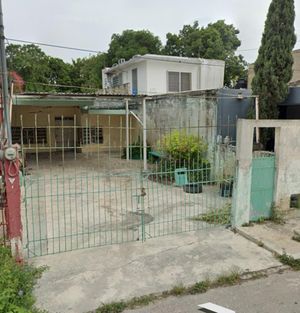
(82, 280)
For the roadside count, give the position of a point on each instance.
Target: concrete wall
(195, 114)
(287, 151)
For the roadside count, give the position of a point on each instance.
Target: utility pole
(5, 98)
(10, 169)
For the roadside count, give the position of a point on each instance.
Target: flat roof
(164, 58)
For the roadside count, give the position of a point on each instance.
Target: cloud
(89, 24)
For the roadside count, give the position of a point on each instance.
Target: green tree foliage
(215, 41)
(31, 63)
(273, 67)
(130, 43)
(87, 72)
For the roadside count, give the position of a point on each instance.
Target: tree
(215, 41)
(59, 73)
(87, 72)
(273, 67)
(31, 63)
(130, 43)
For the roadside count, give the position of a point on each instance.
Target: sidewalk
(277, 293)
(276, 238)
(82, 280)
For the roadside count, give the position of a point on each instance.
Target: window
(92, 135)
(178, 81)
(173, 79)
(134, 81)
(30, 135)
(117, 80)
(186, 81)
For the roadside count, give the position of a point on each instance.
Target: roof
(164, 58)
(66, 99)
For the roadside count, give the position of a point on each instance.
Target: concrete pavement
(278, 293)
(277, 238)
(82, 280)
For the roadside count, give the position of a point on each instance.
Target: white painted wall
(211, 76)
(157, 75)
(153, 77)
(142, 76)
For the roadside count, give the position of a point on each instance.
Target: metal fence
(84, 192)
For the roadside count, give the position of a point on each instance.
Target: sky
(89, 24)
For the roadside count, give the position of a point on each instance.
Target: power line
(53, 45)
(59, 85)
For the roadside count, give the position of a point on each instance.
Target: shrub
(16, 284)
(183, 151)
(181, 146)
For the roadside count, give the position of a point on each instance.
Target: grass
(230, 279)
(221, 216)
(290, 261)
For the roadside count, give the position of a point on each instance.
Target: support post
(242, 188)
(127, 129)
(257, 118)
(145, 134)
(13, 202)
(5, 100)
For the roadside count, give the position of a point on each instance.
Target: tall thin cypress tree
(273, 67)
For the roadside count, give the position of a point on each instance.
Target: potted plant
(227, 178)
(186, 152)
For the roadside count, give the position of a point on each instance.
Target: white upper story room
(152, 74)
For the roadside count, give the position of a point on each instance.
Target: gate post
(242, 188)
(13, 202)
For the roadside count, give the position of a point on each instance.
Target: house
(296, 70)
(290, 108)
(89, 123)
(65, 122)
(152, 74)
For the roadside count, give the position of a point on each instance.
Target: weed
(250, 224)
(177, 290)
(200, 287)
(230, 279)
(277, 216)
(227, 280)
(116, 307)
(290, 261)
(221, 216)
(140, 301)
(16, 284)
(296, 238)
(260, 243)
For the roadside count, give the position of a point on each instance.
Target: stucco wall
(196, 115)
(287, 151)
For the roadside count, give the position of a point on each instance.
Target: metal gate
(262, 188)
(80, 192)
(65, 211)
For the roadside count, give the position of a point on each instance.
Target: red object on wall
(13, 207)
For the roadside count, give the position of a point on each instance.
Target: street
(278, 293)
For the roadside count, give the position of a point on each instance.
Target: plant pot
(226, 189)
(193, 188)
